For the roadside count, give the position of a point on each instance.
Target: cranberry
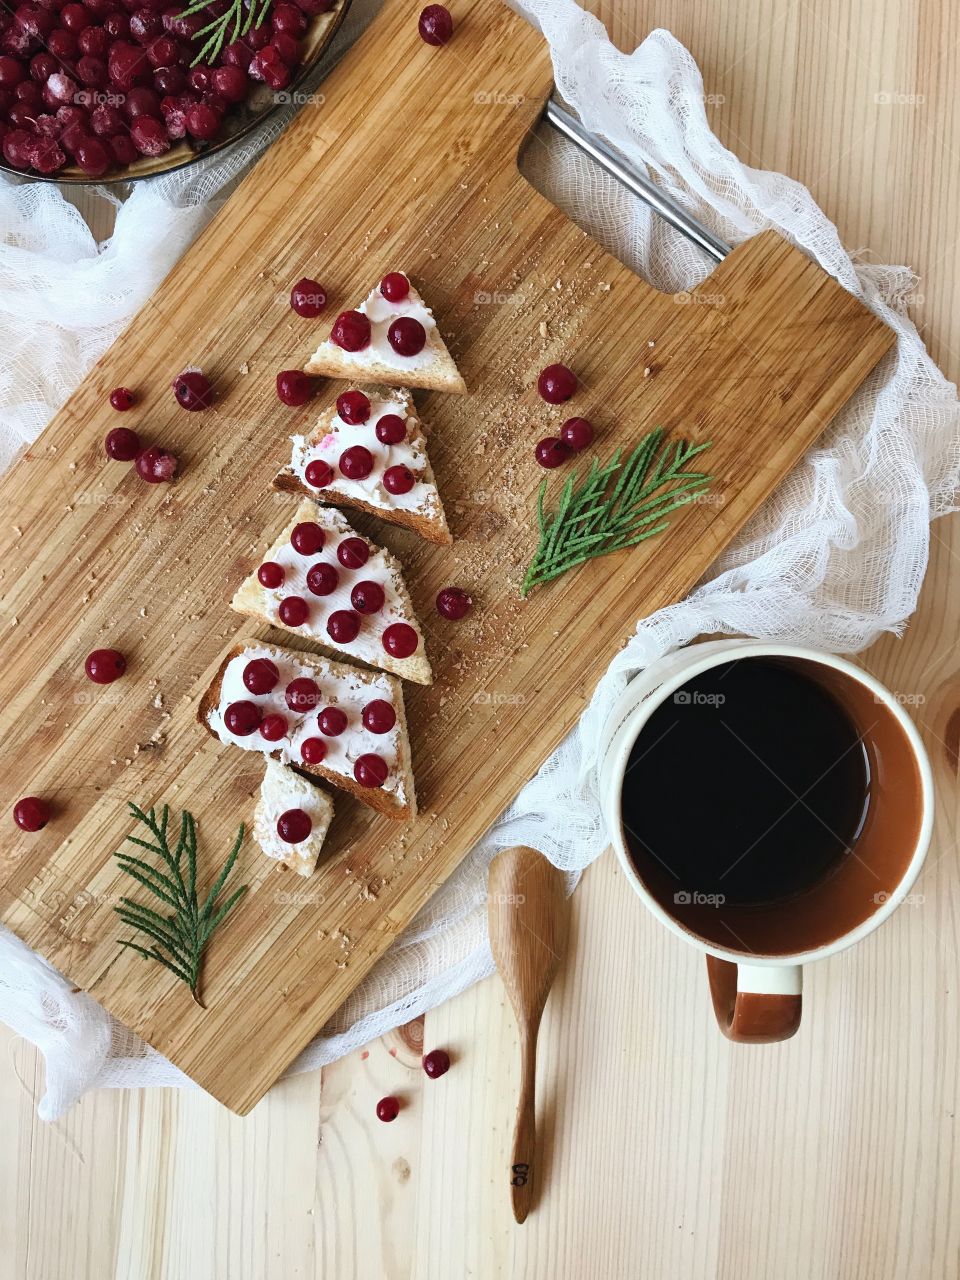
(156, 465)
(106, 121)
(94, 42)
(141, 101)
(398, 479)
(356, 463)
(391, 429)
(145, 26)
(271, 575)
(184, 25)
(116, 25)
(388, 1109)
(74, 17)
(169, 81)
(293, 611)
(353, 407)
(127, 65)
(60, 88)
(395, 286)
(92, 72)
(551, 452)
(14, 148)
(436, 1063)
(237, 55)
(343, 626)
(91, 155)
(453, 603)
(332, 722)
(576, 433)
(313, 8)
(318, 474)
(322, 579)
(174, 112)
(367, 597)
(308, 298)
(62, 44)
(163, 52)
(294, 387)
(121, 399)
(273, 727)
(313, 750)
(202, 121)
(379, 716)
(258, 37)
(353, 553)
(192, 390)
(407, 336)
(260, 676)
(11, 72)
(435, 25)
(275, 75)
(267, 64)
(370, 770)
(34, 23)
(294, 826)
(124, 152)
(122, 444)
(287, 47)
(307, 538)
(231, 83)
(31, 813)
(288, 18)
(18, 42)
(28, 93)
(400, 640)
(242, 718)
(303, 694)
(149, 138)
(351, 331)
(557, 383)
(200, 79)
(103, 666)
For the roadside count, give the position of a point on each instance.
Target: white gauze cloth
(834, 557)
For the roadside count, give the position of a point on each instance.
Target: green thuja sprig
(615, 506)
(228, 27)
(179, 937)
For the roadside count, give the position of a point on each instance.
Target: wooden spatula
(528, 915)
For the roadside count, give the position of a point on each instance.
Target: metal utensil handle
(618, 168)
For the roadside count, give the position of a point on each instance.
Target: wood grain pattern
(855, 1179)
(757, 361)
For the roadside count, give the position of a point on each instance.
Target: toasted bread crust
(383, 801)
(328, 361)
(436, 531)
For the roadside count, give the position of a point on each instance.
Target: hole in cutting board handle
(546, 156)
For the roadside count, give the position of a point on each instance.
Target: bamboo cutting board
(408, 162)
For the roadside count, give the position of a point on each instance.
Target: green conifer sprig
(179, 936)
(615, 506)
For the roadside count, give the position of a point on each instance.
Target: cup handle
(755, 1004)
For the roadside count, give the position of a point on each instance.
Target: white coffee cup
(756, 984)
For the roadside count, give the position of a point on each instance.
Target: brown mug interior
(857, 888)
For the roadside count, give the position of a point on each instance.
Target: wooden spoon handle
(525, 1131)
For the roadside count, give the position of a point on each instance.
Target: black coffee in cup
(750, 783)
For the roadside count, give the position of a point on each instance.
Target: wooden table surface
(673, 1154)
